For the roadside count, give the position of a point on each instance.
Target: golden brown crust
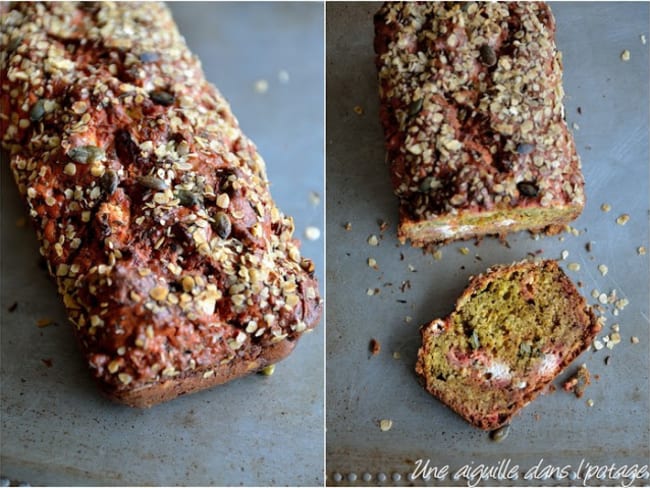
(496, 401)
(152, 207)
(471, 105)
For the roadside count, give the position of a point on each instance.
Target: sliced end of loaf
(514, 329)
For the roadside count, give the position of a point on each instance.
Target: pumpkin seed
(109, 181)
(525, 148)
(162, 97)
(427, 184)
(487, 55)
(528, 188)
(152, 182)
(86, 154)
(500, 434)
(188, 198)
(415, 107)
(222, 225)
(14, 43)
(149, 57)
(473, 340)
(37, 112)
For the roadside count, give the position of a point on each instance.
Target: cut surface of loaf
(472, 109)
(514, 329)
(151, 206)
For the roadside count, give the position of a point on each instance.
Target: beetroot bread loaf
(152, 207)
(471, 106)
(514, 329)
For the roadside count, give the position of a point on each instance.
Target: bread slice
(514, 329)
(471, 102)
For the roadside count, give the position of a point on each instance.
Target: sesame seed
(574, 266)
(372, 240)
(625, 55)
(385, 424)
(603, 269)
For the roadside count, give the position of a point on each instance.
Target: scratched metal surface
(557, 429)
(56, 429)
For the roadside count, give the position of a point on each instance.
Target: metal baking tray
(55, 427)
(607, 99)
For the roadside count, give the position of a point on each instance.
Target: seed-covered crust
(488, 360)
(471, 105)
(152, 207)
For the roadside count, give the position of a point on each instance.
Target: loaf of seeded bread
(514, 329)
(152, 207)
(472, 110)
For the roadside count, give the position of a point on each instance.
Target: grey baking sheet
(55, 428)
(557, 429)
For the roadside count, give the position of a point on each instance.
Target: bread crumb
(21, 222)
(641, 250)
(374, 346)
(385, 424)
(397, 355)
(574, 266)
(43, 323)
(603, 269)
(590, 403)
(358, 109)
(314, 198)
(565, 254)
(261, 86)
(283, 76)
(623, 219)
(464, 251)
(372, 263)
(634, 340)
(437, 255)
(595, 293)
(605, 207)
(579, 381)
(312, 233)
(408, 319)
(347, 226)
(602, 298)
(412, 268)
(598, 345)
(625, 55)
(370, 292)
(372, 240)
